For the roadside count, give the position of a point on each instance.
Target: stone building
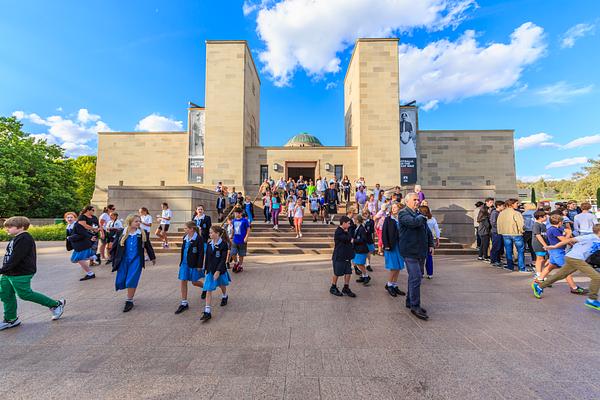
(382, 144)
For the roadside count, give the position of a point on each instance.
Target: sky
(71, 69)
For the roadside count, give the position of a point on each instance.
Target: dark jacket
(20, 256)
(389, 233)
(360, 240)
(415, 236)
(343, 250)
(204, 227)
(370, 227)
(494, 220)
(80, 238)
(485, 227)
(331, 196)
(117, 252)
(195, 255)
(221, 203)
(70, 232)
(215, 260)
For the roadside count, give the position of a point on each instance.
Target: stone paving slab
(283, 336)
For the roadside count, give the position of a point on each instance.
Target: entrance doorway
(305, 169)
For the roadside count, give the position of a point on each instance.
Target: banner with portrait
(196, 119)
(408, 145)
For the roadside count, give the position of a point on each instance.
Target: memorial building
(383, 144)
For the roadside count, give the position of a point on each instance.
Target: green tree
(84, 168)
(587, 181)
(35, 177)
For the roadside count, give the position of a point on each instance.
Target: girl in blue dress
(216, 268)
(81, 242)
(192, 262)
(128, 257)
(391, 250)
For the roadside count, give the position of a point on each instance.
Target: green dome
(304, 140)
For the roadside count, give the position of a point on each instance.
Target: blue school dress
(185, 272)
(82, 255)
(130, 269)
(393, 260)
(249, 212)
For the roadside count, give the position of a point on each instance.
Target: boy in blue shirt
(239, 241)
(575, 260)
(557, 235)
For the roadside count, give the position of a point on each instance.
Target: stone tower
(371, 104)
(232, 104)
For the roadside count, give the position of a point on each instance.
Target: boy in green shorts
(18, 268)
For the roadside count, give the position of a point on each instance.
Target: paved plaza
(283, 336)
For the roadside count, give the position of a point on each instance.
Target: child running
(18, 268)
(298, 217)
(315, 206)
(128, 258)
(343, 252)
(81, 241)
(216, 269)
(391, 248)
(191, 263)
(361, 250)
(539, 242)
(575, 261)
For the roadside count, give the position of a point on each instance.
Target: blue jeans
(508, 247)
(497, 246)
(414, 267)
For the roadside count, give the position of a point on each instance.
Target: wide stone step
(323, 251)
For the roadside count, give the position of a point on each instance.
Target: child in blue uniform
(370, 228)
(391, 250)
(80, 241)
(127, 257)
(361, 250)
(192, 262)
(216, 268)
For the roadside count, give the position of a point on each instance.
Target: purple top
(421, 196)
(361, 197)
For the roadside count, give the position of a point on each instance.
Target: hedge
(41, 233)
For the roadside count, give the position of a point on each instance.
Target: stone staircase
(317, 238)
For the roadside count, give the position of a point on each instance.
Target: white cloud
(567, 162)
(575, 32)
(560, 93)
(447, 71)
(537, 139)
(330, 85)
(158, 123)
(309, 34)
(74, 135)
(583, 141)
(534, 178)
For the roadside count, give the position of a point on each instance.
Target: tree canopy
(37, 179)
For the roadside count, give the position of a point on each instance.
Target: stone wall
(182, 201)
(468, 160)
(140, 159)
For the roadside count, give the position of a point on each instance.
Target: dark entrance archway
(305, 169)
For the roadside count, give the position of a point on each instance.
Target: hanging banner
(196, 117)
(408, 145)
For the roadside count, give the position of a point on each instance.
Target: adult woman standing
(346, 188)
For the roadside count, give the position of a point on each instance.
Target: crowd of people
(566, 238)
(377, 222)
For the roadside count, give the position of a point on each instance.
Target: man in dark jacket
(343, 253)
(16, 273)
(416, 241)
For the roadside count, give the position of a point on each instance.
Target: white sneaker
(7, 325)
(58, 311)
(297, 236)
(300, 235)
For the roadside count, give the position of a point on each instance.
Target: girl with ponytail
(216, 268)
(128, 257)
(191, 266)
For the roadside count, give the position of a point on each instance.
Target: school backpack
(594, 257)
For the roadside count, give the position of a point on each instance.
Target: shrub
(41, 233)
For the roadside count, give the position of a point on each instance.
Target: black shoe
(182, 308)
(357, 271)
(399, 292)
(128, 306)
(88, 277)
(99, 258)
(361, 279)
(203, 295)
(422, 309)
(391, 291)
(369, 268)
(108, 262)
(224, 301)
(348, 292)
(205, 316)
(335, 291)
(366, 280)
(419, 313)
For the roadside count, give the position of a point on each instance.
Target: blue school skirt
(211, 284)
(393, 259)
(371, 247)
(82, 255)
(129, 273)
(360, 259)
(190, 274)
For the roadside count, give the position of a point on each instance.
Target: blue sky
(67, 71)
